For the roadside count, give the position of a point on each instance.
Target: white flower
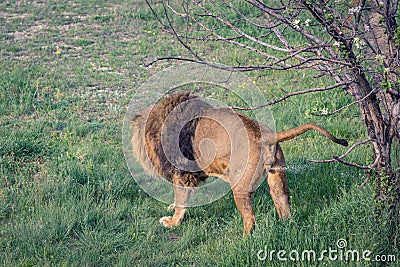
(307, 22)
(336, 43)
(296, 23)
(354, 10)
(380, 58)
(358, 43)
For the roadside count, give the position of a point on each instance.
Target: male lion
(185, 140)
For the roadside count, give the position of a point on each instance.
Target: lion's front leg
(175, 220)
(182, 195)
(243, 203)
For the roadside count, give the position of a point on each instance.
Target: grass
(68, 70)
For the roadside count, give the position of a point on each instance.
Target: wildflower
(324, 112)
(355, 10)
(58, 94)
(358, 43)
(380, 58)
(58, 50)
(307, 22)
(296, 23)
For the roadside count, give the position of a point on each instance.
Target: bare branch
(237, 30)
(271, 12)
(348, 105)
(277, 64)
(364, 167)
(296, 58)
(343, 155)
(177, 36)
(147, 65)
(393, 92)
(365, 182)
(340, 158)
(293, 94)
(183, 15)
(269, 27)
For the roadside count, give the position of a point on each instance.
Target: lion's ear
(135, 118)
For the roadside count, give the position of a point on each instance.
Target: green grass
(68, 70)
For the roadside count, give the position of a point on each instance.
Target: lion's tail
(289, 134)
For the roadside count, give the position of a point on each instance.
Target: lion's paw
(168, 221)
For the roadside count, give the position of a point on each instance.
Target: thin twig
(183, 15)
(364, 167)
(348, 105)
(269, 27)
(364, 183)
(345, 154)
(325, 65)
(217, 66)
(340, 158)
(239, 31)
(293, 94)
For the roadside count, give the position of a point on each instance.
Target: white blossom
(358, 43)
(380, 58)
(354, 10)
(296, 23)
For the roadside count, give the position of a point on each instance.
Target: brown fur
(212, 142)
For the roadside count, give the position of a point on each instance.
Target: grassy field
(68, 71)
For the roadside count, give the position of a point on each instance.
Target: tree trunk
(386, 184)
(383, 129)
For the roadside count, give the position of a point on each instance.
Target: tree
(355, 43)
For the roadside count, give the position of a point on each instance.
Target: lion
(186, 140)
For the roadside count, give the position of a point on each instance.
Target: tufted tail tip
(342, 142)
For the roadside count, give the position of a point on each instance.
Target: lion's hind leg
(182, 193)
(278, 186)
